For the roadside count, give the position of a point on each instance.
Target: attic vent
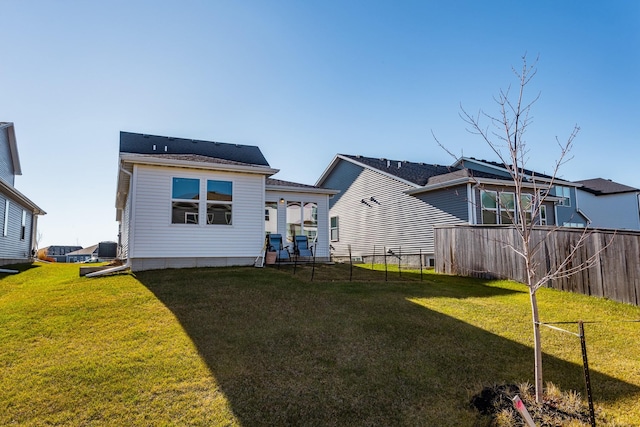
(154, 147)
(165, 148)
(388, 163)
(399, 165)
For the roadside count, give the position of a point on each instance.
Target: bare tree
(504, 134)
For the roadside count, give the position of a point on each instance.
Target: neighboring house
(393, 205)
(566, 210)
(609, 204)
(82, 255)
(57, 253)
(18, 214)
(187, 203)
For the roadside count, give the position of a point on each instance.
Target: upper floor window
(565, 194)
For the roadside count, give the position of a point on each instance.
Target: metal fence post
(587, 379)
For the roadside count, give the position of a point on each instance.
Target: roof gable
(138, 143)
(13, 146)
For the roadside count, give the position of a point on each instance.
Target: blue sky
(304, 80)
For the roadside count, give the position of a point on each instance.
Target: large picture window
(219, 202)
(501, 208)
(489, 200)
(185, 201)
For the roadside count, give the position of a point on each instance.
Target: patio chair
(301, 246)
(274, 244)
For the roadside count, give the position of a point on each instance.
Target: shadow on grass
(19, 267)
(291, 352)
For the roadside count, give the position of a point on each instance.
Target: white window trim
(5, 230)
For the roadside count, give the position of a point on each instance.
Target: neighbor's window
(185, 201)
(543, 215)
(5, 229)
(23, 228)
(489, 201)
(507, 208)
(219, 202)
(334, 229)
(565, 194)
(526, 204)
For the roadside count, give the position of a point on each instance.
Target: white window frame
(564, 193)
(23, 226)
(228, 215)
(190, 218)
(5, 229)
(495, 211)
(543, 215)
(334, 228)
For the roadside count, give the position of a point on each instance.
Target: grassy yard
(252, 347)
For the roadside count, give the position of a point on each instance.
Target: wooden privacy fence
(487, 252)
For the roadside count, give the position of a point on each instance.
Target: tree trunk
(537, 345)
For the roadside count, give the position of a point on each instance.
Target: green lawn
(252, 347)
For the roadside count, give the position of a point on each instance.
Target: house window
(489, 200)
(185, 201)
(5, 229)
(23, 227)
(271, 217)
(507, 208)
(526, 204)
(334, 229)
(543, 215)
(219, 202)
(565, 194)
(501, 208)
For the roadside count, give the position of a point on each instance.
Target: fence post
(399, 262)
(350, 264)
(385, 263)
(587, 379)
(421, 264)
(373, 257)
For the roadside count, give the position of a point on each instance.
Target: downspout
(116, 269)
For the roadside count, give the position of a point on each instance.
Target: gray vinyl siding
(13, 248)
(124, 229)
(6, 166)
(392, 219)
(611, 210)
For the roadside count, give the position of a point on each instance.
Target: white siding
(153, 235)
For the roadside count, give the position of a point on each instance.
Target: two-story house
(18, 214)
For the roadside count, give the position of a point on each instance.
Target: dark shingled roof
(144, 144)
(281, 183)
(601, 186)
(419, 173)
(528, 172)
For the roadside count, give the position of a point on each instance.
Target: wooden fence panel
(491, 252)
